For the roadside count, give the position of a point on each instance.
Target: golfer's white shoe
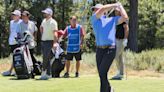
(6, 73)
(117, 77)
(112, 90)
(13, 74)
(44, 76)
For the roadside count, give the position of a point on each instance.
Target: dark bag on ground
(58, 65)
(37, 67)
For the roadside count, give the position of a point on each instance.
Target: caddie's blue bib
(73, 45)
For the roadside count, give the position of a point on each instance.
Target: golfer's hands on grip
(119, 4)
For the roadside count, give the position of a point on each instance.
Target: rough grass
(152, 60)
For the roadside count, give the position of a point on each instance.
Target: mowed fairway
(83, 84)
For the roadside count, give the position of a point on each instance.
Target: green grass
(90, 83)
(82, 84)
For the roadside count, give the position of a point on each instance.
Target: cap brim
(92, 7)
(44, 11)
(24, 14)
(15, 14)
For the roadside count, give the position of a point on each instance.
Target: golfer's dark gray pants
(46, 50)
(104, 59)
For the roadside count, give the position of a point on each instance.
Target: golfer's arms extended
(105, 8)
(126, 29)
(124, 16)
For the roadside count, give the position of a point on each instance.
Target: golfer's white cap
(97, 6)
(48, 11)
(16, 12)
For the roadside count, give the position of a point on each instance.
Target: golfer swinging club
(104, 29)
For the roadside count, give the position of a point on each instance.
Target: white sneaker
(44, 76)
(13, 74)
(117, 77)
(112, 89)
(6, 73)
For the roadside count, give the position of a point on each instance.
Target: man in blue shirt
(105, 29)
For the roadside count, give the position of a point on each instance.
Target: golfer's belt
(105, 47)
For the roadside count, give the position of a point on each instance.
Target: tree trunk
(133, 25)
(0, 46)
(94, 2)
(63, 14)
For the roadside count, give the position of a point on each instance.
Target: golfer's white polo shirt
(14, 28)
(48, 29)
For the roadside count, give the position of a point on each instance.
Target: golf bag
(37, 67)
(22, 61)
(58, 61)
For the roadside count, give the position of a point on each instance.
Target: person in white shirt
(29, 26)
(49, 39)
(14, 28)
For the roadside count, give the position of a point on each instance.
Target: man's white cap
(48, 11)
(16, 12)
(97, 6)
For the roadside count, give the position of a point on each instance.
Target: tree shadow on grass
(17, 79)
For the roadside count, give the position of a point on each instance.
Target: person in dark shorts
(105, 29)
(75, 34)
